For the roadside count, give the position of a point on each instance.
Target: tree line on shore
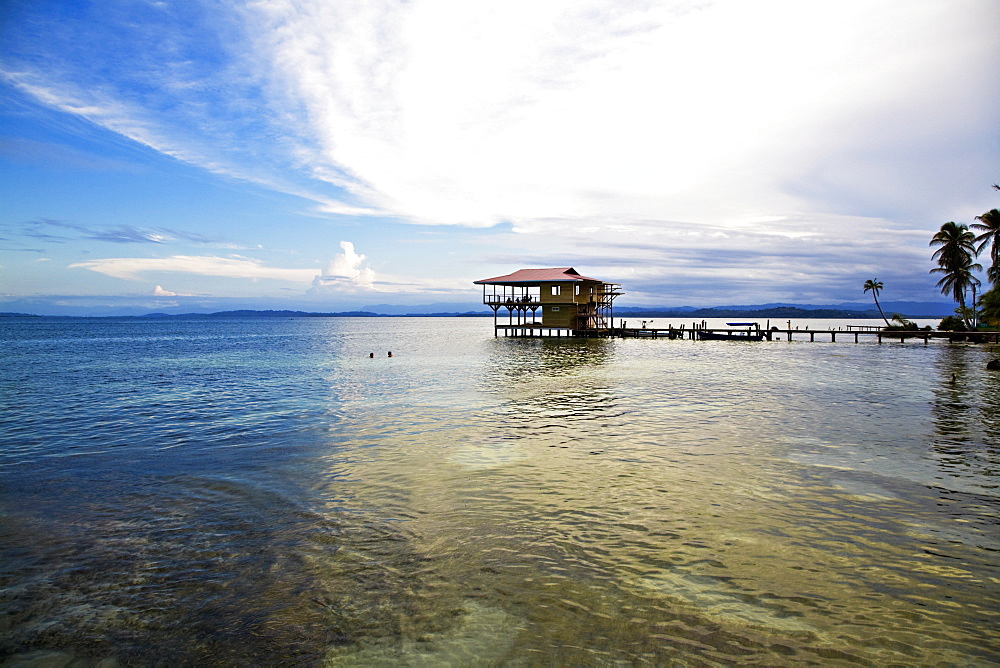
(958, 246)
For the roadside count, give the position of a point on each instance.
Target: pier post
(833, 336)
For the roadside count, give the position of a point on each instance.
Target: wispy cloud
(235, 266)
(61, 231)
(713, 263)
(444, 112)
(448, 113)
(765, 142)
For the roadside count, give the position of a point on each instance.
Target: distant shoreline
(787, 312)
(256, 314)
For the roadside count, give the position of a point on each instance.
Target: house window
(578, 290)
(555, 308)
(555, 290)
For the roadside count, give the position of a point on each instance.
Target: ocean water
(261, 492)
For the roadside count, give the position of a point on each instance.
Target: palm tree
(990, 303)
(989, 224)
(876, 286)
(954, 258)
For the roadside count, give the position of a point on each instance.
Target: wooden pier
(855, 333)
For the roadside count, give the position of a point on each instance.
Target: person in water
(390, 353)
(371, 355)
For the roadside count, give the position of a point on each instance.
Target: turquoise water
(260, 492)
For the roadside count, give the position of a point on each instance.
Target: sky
(327, 155)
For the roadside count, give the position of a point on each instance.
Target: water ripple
(262, 492)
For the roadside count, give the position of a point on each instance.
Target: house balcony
(512, 302)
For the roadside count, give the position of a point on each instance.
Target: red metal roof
(529, 276)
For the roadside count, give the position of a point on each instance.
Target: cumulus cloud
(345, 271)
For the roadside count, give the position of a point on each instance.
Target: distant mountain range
(249, 313)
(775, 310)
(788, 312)
(854, 309)
(445, 309)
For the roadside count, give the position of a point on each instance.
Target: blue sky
(326, 154)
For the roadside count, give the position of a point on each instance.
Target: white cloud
(345, 271)
(234, 266)
(677, 262)
(158, 291)
(762, 142)
(348, 264)
(450, 112)
(441, 111)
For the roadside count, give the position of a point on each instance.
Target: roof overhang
(533, 277)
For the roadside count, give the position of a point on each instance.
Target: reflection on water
(540, 390)
(482, 501)
(514, 358)
(966, 415)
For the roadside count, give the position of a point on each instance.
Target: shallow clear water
(259, 491)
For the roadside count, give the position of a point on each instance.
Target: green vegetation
(955, 262)
(901, 324)
(952, 323)
(990, 306)
(957, 248)
(989, 225)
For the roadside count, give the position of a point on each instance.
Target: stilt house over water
(569, 302)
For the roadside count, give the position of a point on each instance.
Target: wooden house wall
(569, 303)
(564, 317)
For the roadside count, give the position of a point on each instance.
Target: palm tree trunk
(965, 319)
(879, 308)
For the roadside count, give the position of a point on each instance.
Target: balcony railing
(493, 300)
(531, 302)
